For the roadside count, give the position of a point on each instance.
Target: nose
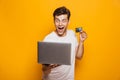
(60, 23)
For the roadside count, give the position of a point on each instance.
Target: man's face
(61, 23)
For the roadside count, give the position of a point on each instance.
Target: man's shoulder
(49, 36)
(71, 32)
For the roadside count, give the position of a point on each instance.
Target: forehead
(63, 16)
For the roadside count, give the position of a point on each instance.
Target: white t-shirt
(63, 72)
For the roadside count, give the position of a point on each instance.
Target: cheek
(56, 23)
(65, 24)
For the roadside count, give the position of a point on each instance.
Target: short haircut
(60, 11)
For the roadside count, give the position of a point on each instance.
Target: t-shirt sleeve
(48, 39)
(45, 39)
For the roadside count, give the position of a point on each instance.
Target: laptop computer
(54, 53)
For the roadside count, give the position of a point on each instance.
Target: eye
(64, 20)
(57, 20)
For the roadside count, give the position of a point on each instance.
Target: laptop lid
(54, 53)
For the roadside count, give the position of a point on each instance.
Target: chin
(60, 34)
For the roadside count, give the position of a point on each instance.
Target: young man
(62, 34)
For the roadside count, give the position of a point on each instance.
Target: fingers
(50, 66)
(54, 65)
(83, 35)
(82, 32)
(45, 67)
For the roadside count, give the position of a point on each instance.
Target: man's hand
(47, 68)
(83, 36)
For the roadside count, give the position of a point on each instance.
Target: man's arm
(79, 50)
(80, 47)
(46, 68)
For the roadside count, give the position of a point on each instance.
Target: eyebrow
(59, 19)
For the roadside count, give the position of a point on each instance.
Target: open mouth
(60, 28)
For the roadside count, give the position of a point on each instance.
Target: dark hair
(60, 11)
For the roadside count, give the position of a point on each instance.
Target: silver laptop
(54, 53)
